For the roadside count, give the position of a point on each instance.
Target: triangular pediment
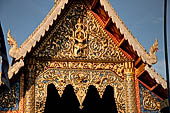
(78, 35)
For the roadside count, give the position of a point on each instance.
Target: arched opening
(68, 103)
(53, 101)
(108, 101)
(93, 103)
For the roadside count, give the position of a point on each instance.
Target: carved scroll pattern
(78, 35)
(149, 102)
(10, 101)
(80, 79)
(114, 67)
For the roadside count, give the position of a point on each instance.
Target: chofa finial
(154, 48)
(11, 40)
(13, 51)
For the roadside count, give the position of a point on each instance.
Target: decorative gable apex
(78, 35)
(39, 34)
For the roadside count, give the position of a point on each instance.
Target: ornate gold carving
(131, 106)
(80, 80)
(118, 68)
(80, 40)
(119, 95)
(10, 99)
(79, 52)
(79, 36)
(149, 102)
(21, 102)
(29, 101)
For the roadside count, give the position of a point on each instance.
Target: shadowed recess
(53, 101)
(68, 103)
(108, 101)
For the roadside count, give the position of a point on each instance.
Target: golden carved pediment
(78, 35)
(81, 77)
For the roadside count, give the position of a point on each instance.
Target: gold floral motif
(80, 80)
(149, 102)
(10, 99)
(130, 87)
(79, 36)
(115, 67)
(29, 105)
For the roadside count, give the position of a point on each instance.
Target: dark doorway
(68, 103)
(53, 101)
(108, 101)
(94, 104)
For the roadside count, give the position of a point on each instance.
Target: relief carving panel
(80, 80)
(149, 101)
(78, 35)
(10, 100)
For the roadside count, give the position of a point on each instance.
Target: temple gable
(82, 44)
(78, 35)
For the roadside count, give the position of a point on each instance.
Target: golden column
(131, 106)
(29, 102)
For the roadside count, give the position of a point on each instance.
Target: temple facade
(82, 44)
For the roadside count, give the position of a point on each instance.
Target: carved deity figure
(80, 40)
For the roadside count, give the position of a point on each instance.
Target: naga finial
(11, 40)
(154, 48)
(13, 51)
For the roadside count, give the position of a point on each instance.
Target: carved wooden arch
(80, 79)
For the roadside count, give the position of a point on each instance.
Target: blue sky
(144, 18)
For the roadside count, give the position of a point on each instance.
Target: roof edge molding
(156, 76)
(148, 58)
